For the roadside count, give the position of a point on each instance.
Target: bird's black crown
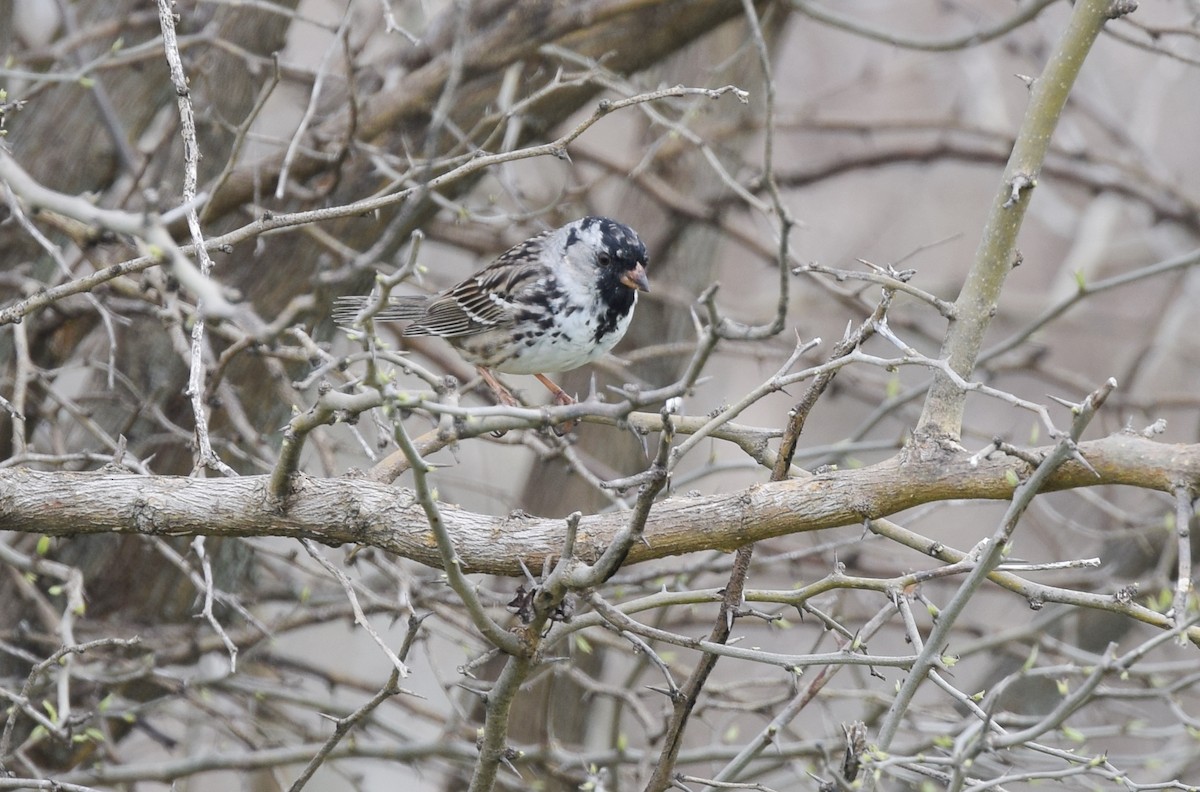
(621, 243)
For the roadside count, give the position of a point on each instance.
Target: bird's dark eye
(605, 259)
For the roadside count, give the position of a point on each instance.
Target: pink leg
(502, 393)
(560, 395)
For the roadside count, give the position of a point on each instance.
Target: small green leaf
(1074, 735)
(1064, 687)
(43, 545)
(582, 643)
(1010, 476)
(1080, 280)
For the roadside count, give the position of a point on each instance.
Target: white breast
(567, 345)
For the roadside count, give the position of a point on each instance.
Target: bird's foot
(562, 399)
(505, 397)
(502, 394)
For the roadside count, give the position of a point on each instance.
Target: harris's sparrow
(555, 302)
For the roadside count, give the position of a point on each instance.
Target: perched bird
(553, 303)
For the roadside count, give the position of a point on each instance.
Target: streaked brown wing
(462, 311)
(485, 300)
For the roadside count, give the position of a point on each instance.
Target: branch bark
(997, 252)
(347, 510)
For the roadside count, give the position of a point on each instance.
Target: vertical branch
(20, 389)
(310, 110)
(209, 596)
(493, 749)
(997, 252)
(1184, 513)
(205, 456)
(684, 701)
(728, 328)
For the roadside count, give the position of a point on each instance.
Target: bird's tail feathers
(347, 308)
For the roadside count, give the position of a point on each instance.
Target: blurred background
(888, 135)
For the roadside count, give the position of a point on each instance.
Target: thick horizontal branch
(349, 510)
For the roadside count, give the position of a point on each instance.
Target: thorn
(1078, 457)
(1063, 402)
